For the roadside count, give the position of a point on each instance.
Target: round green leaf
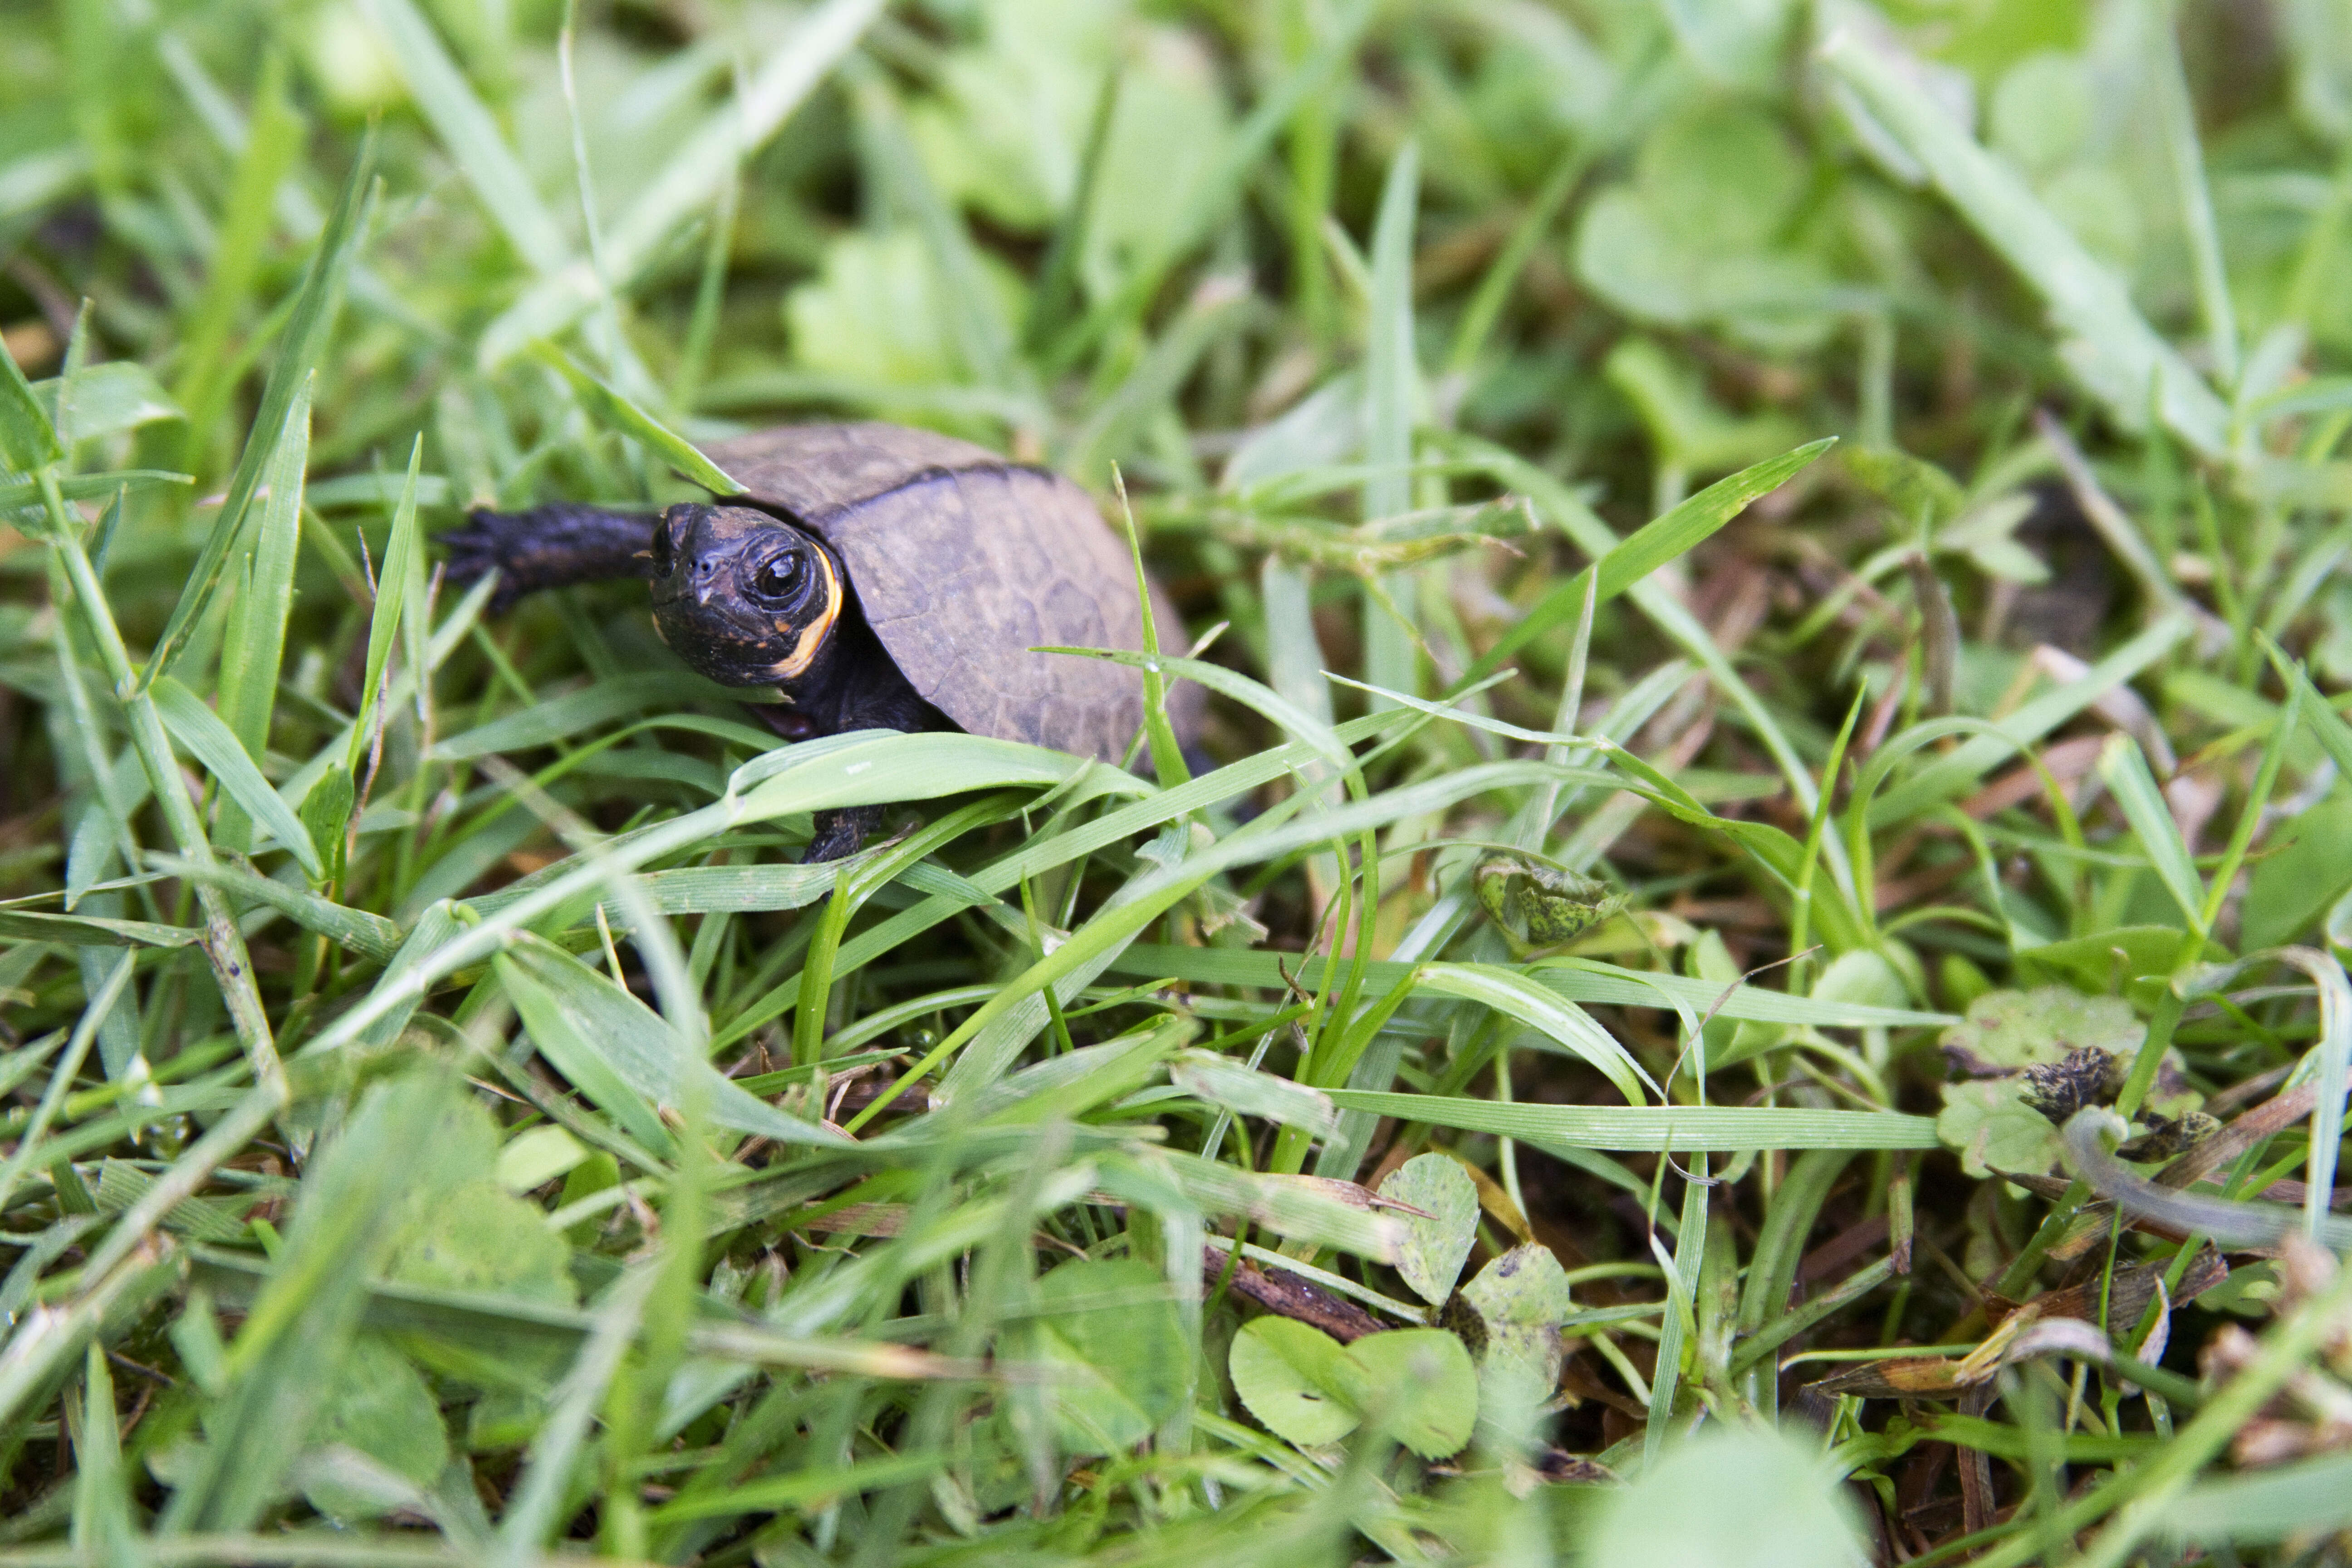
(1728, 1497)
(1987, 1123)
(1292, 1377)
(2006, 1029)
(382, 1408)
(1111, 1331)
(1419, 1385)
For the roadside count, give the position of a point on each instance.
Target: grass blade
(470, 134)
(254, 648)
(200, 730)
(2125, 771)
(2110, 346)
(1678, 1129)
(691, 177)
(391, 584)
(305, 342)
(622, 414)
(1392, 401)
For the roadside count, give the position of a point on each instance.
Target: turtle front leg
(840, 832)
(550, 547)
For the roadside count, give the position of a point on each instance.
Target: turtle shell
(961, 562)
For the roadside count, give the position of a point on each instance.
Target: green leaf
(1989, 1125)
(559, 1037)
(327, 818)
(2010, 1029)
(107, 400)
(383, 1409)
(1431, 1253)
(1707, 230)
(1524, 1286)
(476, 1235)
(538, 1155)
(1110, 1334)
(1295, 1379)
(286, 1363)
(1521, 1299)
(1673, 1128)
(299, 353)
(1418, 1385)
(200, 730)
(1728, 1495)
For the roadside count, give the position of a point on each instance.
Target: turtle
(878, 577)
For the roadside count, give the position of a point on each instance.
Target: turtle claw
(487, 543)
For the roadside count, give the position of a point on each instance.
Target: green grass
(1747, 616)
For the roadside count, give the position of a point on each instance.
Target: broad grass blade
(254, 647)
(622, 414)
(615, 1048)
(2124, 772)
(2109, 345)
(297, 355)
(200, 730)
(471, 134)
(1680, 1129)
(686, 184)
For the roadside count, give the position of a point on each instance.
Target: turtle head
(745, 597)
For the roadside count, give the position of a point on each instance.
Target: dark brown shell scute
(962, 563)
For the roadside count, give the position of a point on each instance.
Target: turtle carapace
(878, 577)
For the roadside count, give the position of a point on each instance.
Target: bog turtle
(878, 577)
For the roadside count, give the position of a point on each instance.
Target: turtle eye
(665, 551)
(780, 576)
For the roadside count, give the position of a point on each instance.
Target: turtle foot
(547, 547)
(840, 834)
